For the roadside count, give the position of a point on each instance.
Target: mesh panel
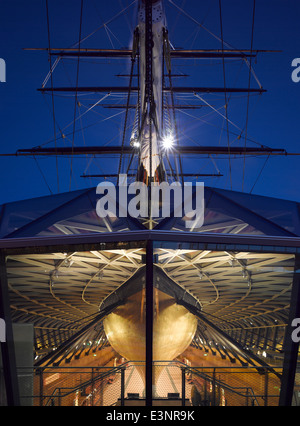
(175, 384)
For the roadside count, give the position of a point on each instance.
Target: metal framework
(201, 272)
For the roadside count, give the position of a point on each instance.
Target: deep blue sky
(26, 119)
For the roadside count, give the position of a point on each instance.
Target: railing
(89, 389)
(176, 383)
(60, 393)
(224, 385)
(214, 386)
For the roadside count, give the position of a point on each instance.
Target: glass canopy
(74, 213)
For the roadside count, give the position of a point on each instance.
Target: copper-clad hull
(173, 330)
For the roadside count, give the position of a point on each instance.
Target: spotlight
(168, 142)
(135, 143)
(200, 274)
(55, 274)
(68, 262)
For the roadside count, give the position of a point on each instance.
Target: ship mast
(151, 28)
(154, 140)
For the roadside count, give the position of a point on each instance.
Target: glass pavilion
(64, 268)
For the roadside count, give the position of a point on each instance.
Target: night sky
(26, 114)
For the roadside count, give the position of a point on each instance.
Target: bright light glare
(168, 141)
(136, 144)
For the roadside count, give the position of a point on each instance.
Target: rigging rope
(105, 24)
(225, 93)
(53, 104)
(127, 110)
(76, 98)
(260, 173)
(43, 176)
(215, 36)
(248, 99)
(214, 109)
(53, 67)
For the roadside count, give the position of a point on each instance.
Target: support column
(291, 348)
(149, 323)
(7, 347)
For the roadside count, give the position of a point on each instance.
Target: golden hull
(173, 330)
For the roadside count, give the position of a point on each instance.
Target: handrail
(208, 373)
(194, 370)
(109, 372)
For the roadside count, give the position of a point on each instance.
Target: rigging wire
(43, 176)
(53, 67)
(166, 54)
(105, 24)
(88, 110)
(127, 112)
(214, 109)
(215, 36)
(225, 93)
(83, 137)
(76, 98)
(238, 135)
(86, 38)
(250, 70)
(51, 77)
(248, 99)
(260, 173)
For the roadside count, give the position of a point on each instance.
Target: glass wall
(159, 322)
(88, 309)
(240, 296)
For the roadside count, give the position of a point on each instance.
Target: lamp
(168, 141)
